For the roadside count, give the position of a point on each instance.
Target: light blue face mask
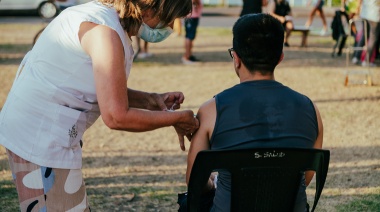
(154, 35)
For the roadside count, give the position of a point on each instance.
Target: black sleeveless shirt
(282, 9)
(261, 113)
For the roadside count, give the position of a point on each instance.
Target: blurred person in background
(280, 9)
(317, 8)
(369, 10)
(252, 6)
(191, 26)
(177, 26)
(144, 51)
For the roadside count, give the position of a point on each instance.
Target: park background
(144, 171)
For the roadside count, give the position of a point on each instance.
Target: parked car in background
(63, 4)
(44, 8)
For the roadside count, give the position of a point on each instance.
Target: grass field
(144, 171)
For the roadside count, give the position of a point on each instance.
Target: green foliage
(335, 3)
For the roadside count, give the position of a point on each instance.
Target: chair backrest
(262, 179)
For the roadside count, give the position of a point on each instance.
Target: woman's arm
(155, 101)
(201, 138)
(107, 54)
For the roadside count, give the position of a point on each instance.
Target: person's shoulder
(207, 105)
(294, 92)
(206, 113)
(231, 89)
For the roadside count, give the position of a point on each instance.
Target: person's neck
(246, 76)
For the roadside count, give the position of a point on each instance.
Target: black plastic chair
(265, 179)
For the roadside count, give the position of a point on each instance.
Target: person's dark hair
(258, 41)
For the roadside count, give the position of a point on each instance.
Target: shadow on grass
(362, 203)
(12, 54)
(372, 98)
(12, 61)
(352, 167)
(151, 192)
(137, 178)
(352, 154)
(298, 58)
(145, 198)
(175, 58)
(15, 48)
(159, 190)
(4, 164)
(122, 161)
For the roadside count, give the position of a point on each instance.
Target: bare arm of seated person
(105, 48)
(317, 145)
(201, 138)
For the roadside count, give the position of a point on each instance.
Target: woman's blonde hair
(130, 11)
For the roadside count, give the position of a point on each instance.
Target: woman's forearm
(138, 99)
(137, 120)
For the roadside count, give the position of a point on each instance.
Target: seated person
(280, 9)
(257, 112)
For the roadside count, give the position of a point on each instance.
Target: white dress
(53, 99)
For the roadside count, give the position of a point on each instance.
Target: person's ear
(237, 60)
(281, 58)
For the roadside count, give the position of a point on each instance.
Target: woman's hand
(155, 101)
(165, 101)
(186, 127)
